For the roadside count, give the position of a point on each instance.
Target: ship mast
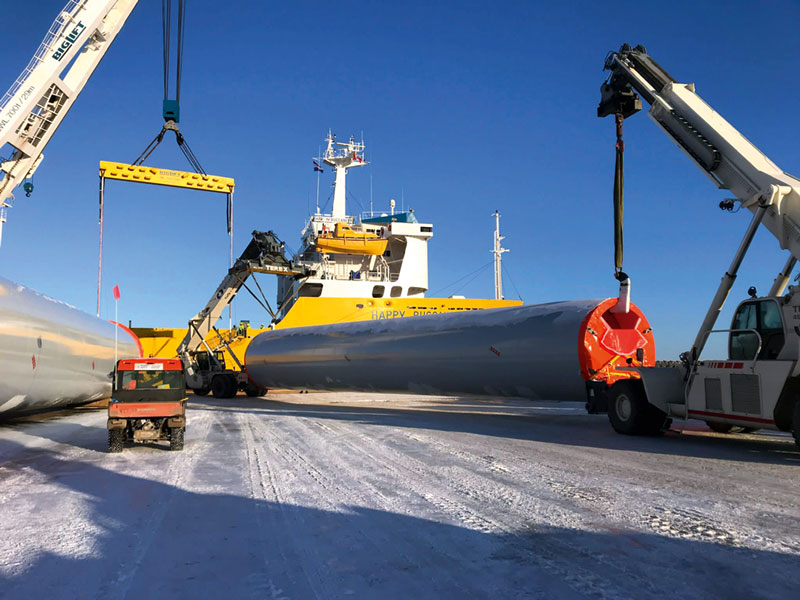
(498, 257)
(349, 155)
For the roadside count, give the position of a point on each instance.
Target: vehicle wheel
(720, 427)
(116, 440)
(221, 387)
(233, 386)
(629, 411)
(796, 422)
(728, 428)
(176, 438)
(254, 390)
(203, 391)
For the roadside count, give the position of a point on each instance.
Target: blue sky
(466, 107)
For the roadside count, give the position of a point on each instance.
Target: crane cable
(171, 123)
(619, 201)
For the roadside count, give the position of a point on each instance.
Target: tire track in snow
(411, 471)
(640, 515)
(346, 489)
(179, 471)
(264, 491)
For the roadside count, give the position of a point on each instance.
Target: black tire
(116, 440)
(176, 438)
(253, 390)
(720, 427)
(203, 391)
(220, 387)
(728, 428)
(796, 422)
(629, 411)
(233, 386)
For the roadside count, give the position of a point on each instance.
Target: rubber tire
(629, 411)
(253, 390)
(116, 440)
(221, 387)
(176, 438)
(203, 391)
(233, 386)
(728, 428)
(796, 422)
(721, 427)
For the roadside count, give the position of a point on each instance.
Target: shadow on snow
(152, 540)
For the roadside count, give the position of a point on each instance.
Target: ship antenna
(498, 257)
(319, 160)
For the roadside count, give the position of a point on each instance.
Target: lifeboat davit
(345, 240)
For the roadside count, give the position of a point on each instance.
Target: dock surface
(304, 496)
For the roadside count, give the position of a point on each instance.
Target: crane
(37, 102)
(205, 369)
(758, 384)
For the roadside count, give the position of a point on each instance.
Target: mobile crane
(204, 366)
(39, 99)
(758, 384)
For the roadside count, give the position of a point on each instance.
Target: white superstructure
(398, 272)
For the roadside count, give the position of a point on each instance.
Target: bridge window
(397, 291)
(377, 291)
(310, 290)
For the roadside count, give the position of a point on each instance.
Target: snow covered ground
(395, 496)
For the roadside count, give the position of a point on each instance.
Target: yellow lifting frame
(168, 177)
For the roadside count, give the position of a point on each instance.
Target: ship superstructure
(373, 267)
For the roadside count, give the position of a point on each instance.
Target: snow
(395, 496)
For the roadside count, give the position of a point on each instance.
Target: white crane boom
(34, 106)
(729, 159)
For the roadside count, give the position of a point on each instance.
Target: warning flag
(116, 292)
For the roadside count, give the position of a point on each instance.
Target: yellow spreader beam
(169, 177)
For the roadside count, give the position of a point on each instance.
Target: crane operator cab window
(763, 316)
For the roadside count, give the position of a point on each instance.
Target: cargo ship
(373, 267)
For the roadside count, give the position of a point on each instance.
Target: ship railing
(342, 271)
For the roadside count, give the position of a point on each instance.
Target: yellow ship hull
(163, 342)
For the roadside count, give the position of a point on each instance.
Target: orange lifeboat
(345, 240)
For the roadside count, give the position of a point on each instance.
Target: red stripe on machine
(704, 413)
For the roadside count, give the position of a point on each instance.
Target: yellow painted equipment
(168, 177)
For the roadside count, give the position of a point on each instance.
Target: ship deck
(395, 496)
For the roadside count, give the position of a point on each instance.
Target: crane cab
(757, 385)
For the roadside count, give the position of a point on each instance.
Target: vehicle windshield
(152, 380)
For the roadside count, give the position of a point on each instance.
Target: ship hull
(53, 355)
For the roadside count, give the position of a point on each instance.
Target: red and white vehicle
(148, 403)
(758, 384)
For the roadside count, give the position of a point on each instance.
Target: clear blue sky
(466, 107)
